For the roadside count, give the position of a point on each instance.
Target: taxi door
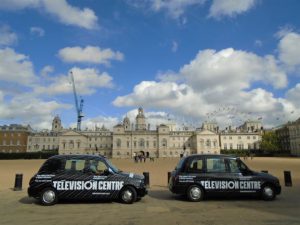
(219, 179)
(69, 183)
(105, 185)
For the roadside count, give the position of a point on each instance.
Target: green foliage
(270, 142)
(28, 155)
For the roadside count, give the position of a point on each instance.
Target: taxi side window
(75, 165)
(215, 165)
(195, 166)
(97, 167)
(51, 166)
(233, 165)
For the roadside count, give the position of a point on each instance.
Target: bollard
(287, 178)
(147, 178)
(169, 175)
(264, 171)
(18, 182)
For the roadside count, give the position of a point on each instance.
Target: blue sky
(185, 61)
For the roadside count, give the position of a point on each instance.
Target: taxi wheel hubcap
(195, 193)
(49, 196)
(268, 192)
(127, 195)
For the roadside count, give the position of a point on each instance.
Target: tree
(270, 142)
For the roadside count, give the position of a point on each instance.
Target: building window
(239, 137)
(208, 143)
(254, 137)
(142, 143)
(225, 146)
(154, 144)
(231, 146)
(164, 143)
(230, 138)
(248, 137)
(119, 143)
(71, 144)
(134, 144)
(128, 144)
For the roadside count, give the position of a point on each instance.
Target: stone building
(240, 140)
(294, 132)
(13, 138)
(94, 142)
(283, 134)
(45, 140)
(162, 142)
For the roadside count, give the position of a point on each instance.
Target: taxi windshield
(114, 168)
(242, 165)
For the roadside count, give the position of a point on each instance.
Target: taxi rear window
(215, 165)
(195, 165)
(75, 164)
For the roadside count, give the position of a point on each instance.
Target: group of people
(141, 158)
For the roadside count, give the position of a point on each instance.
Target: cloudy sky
(185, 61)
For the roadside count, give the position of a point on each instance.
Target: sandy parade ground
(159, 207)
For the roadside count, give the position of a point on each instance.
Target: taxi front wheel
(128, 195)
(48, 197)
(195, 193)
(268, 193)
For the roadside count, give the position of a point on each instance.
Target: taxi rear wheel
(128, 195)
(268, 193)
(195, 193)
(48, 197)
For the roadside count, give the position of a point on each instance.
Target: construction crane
(78, 105)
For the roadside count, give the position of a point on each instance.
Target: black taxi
(84, 177)
(197, 176)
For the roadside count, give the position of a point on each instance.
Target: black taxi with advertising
(84, 177)
(197, 176)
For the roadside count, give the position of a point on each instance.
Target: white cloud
(173, 8)
(258, 43)
(87, 82)
(216, 80)
(289, 49)
(164, 95)
(99, 122)
(47, 70)
(60, 9)
(232, 69)
(293, 95)
(7, 37)
(29, 110)
(230, 8)
(38, 31)
(174, 46)
(15, 67)
(89, 54)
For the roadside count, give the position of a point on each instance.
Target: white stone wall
(243, 141)
(294, 130)
(42, 141)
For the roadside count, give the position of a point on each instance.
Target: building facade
(240, 141)
(13, 138)
(162, 142)
(45, 140)
(86, 142)
(283, 134)
(294, 132)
